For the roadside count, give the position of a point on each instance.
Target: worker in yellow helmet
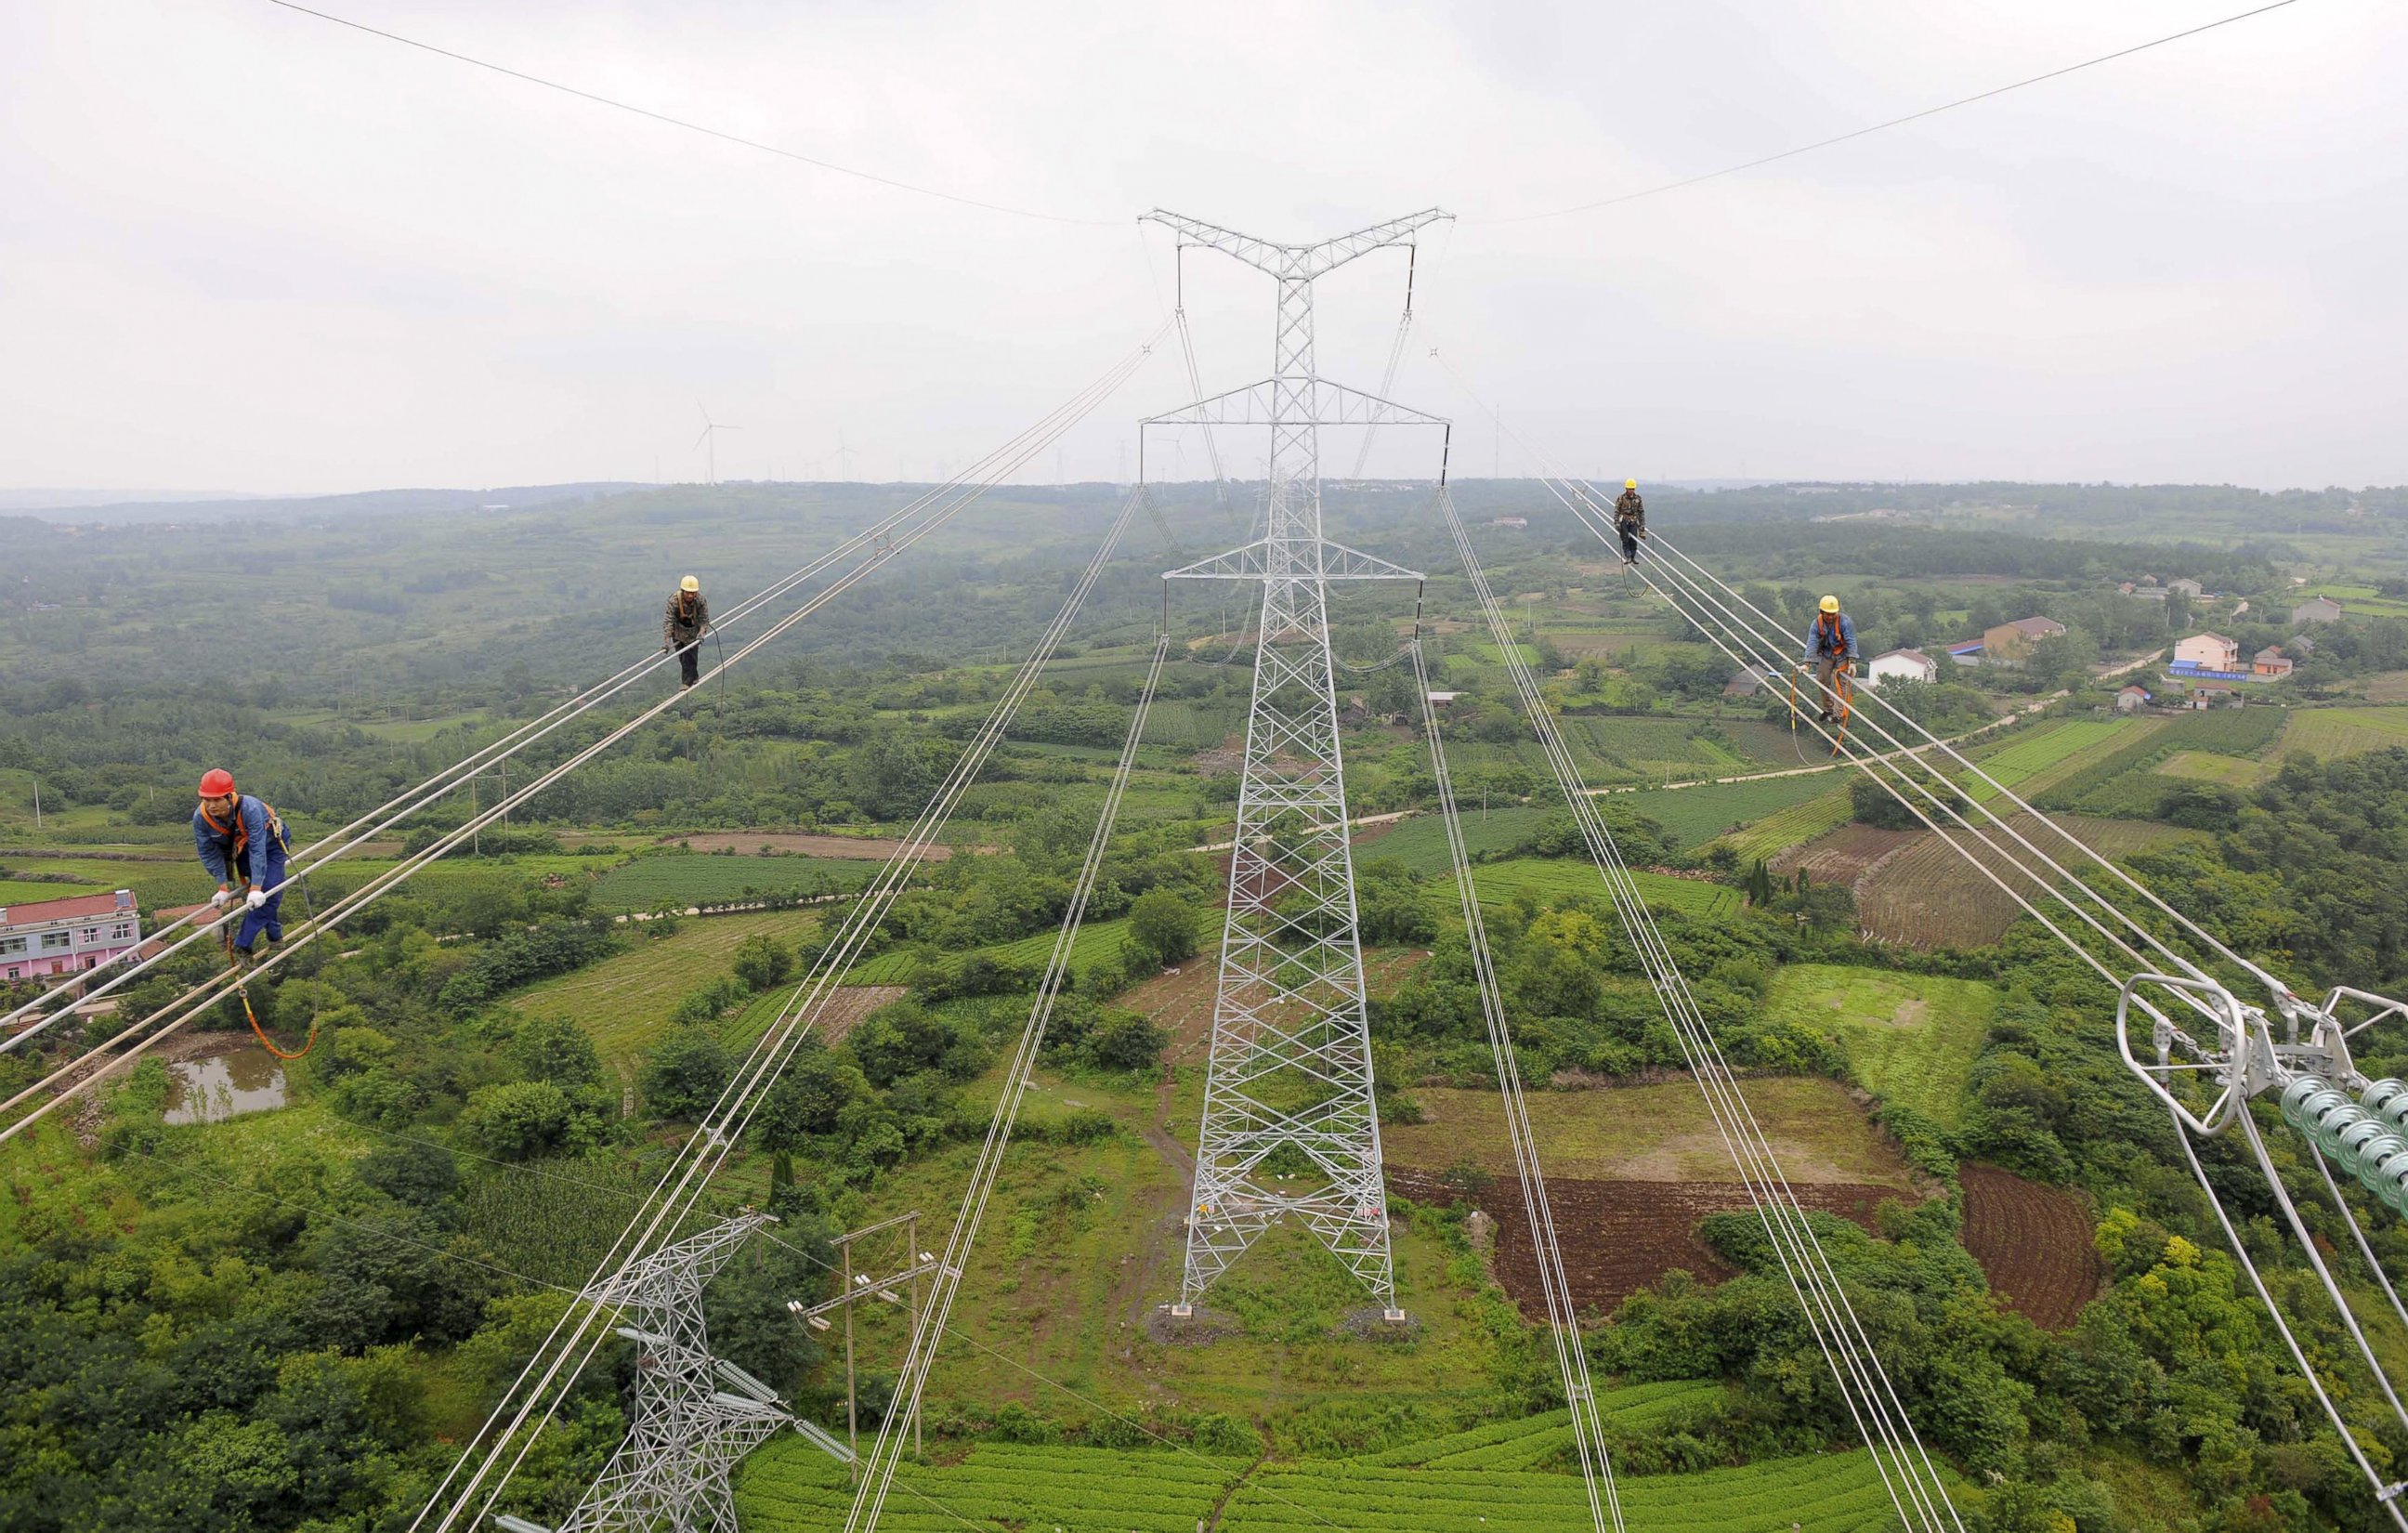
(1630, 520)
(683, 627)
(1830, 643)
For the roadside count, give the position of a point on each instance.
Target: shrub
(1126, 1040)
(1164, 926)
(517, 1119)
(809, 1097)
(555, 1049)
(555, 947)
(762, 961)
(686, 1075)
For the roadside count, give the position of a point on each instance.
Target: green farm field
(624, 1002)
(2207, 766)
(1911, 1039)
(1420, 842)
(695, 879)
(2045, 754)
(791, 1487)
(1558, 878)
(1096, 940)
(1786, 827)
(2328, 732)
(1694, 816)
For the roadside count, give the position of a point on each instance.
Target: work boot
(1826, 716)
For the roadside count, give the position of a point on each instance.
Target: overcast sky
(245, 249)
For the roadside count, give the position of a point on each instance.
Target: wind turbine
(710, 440)
(844, 458)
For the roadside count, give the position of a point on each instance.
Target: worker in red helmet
(240, 838)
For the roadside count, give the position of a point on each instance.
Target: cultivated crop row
(2031, 756)
(1784, 828)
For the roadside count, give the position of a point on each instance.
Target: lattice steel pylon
(1290, 1072)
(694, 1416)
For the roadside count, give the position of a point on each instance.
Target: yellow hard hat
(1830, 604)
(1631, 484)
(689, 583)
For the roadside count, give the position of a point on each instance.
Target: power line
(1877, 127)
(706, 132)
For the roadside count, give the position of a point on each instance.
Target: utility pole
(918, 1264)
(1287, 1093)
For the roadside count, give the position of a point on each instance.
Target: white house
(1902, 664)
(2208, 652)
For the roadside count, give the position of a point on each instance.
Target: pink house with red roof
(48, 937)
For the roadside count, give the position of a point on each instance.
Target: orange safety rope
(261, 1032)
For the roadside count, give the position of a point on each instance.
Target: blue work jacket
(225, 849)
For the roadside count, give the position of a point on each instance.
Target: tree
(686, 1074)
(517, 1119)
(762, 961)
(411, 1171)
(809, 1097)
(555, 1049)
(1164, 926)
(1126, 1040)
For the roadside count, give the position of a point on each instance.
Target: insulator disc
(2375, 1154)
(2295, 1097)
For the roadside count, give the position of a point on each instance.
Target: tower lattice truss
(694, 1416)
(1289, 1125)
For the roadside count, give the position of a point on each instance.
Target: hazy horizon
(253, 248)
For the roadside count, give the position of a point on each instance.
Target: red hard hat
(216, 782)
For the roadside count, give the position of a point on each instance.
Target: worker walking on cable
(683, 627)
(1630, 520)
(240, 838)
(1830, 646)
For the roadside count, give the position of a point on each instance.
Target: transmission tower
(693, 1415)
(1289, 1126)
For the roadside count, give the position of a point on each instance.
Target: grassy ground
(1803, 821)
(1694, 816)
(1420, 842)
(1650, 1133)
(1080, 1244)
(699, 880)
(1558, 877)
(2344, 731)
(1096, 940)
(2207, 766)
(2043, 753)
(1911, 1039)
(625, 1002)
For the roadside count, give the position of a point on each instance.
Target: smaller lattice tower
(693, 1416)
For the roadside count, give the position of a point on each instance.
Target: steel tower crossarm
(1301, 261)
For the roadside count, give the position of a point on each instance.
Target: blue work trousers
(268, 918)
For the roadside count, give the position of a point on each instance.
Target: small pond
(218, 1086)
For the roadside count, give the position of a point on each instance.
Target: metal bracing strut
(1289, 1126)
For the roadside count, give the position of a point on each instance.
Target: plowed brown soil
(2033, 1243)
(1927, 894)
(1620, 1236)
(1843, 856)
(745, 843)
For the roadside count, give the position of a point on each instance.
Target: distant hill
(52, 505)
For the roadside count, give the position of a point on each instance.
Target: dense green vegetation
(283, 1321)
